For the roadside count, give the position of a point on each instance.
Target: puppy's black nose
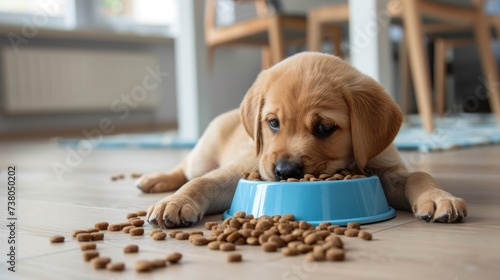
(288, 169)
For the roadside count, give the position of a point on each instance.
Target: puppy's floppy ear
(251, 110)
(375, 120)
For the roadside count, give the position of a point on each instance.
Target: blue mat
(141, 140)
(464, 130)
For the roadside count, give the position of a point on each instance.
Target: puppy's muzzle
(288, 169)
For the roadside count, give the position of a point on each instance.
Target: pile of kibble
(132, 227)
(272, 233)
(343, 174)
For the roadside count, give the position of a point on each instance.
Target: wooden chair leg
(210, 57)
(313, 32)
(276, 40)
(440, 47)
(404, 71)
(336, 39)
(266, 58)
(490, 70)
(418, 61)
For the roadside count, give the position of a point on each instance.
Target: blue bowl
(338, 202)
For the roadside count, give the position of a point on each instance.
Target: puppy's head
(313, 113)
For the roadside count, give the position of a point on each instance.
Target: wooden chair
(441, 45)
(268, 30)
(411, 13)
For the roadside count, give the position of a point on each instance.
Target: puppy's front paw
(173, 211)
(159, 182)
(440, 206)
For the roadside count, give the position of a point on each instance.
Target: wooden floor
(403, 248)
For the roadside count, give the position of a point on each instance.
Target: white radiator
(53, 80)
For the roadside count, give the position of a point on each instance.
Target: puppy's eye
(274, 124)
(322, 130)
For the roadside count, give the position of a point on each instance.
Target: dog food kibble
(97, 236)
(127, 229)
(100, 262)
(135, 175)
(90, 254)
(143, 266)
(153, 231)
(182, 236)
(78, 231)
(308, 176)
(199, 240)
(83, 237)
(118, 266)
(331, 228)
(341, 175)
(131, 215)
(101, 225)
(351, 232)
(115, 227)
(57, 239)
(141, 213)
(340, 230)
(87, 246)
(117, 177)
(324, 176)
(137, 222)
(240, 214)
(132, 248)
(173, 233)
(365, 235)
(315, 256)
(304, 248)
(263, 225)
(214, 245)
(209, 225)
(311, 238)
(227, 247)
(174, 257)
(137, 231)
(353, 225)
(159, 236)
(335, 254)
(270, 247)
(158, 263)
(234, 257)
(272, 233)
(335, 241)
(125, 224)
(254, 176)
(290, 251)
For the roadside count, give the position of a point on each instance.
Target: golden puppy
(311, 113)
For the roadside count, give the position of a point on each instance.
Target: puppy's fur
(311, 113)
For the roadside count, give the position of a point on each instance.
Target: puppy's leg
(431, 203)
(211, 193)
(417, 191)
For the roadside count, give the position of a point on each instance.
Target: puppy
(311, 113)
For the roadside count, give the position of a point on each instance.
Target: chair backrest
(261, 9)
